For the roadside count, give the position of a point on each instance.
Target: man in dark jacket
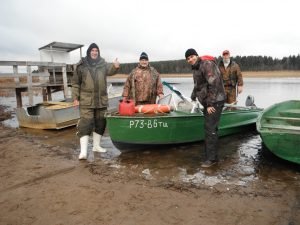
(209, 89)
(232, 77)
(89, 91)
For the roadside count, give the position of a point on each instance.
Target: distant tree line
(247, 63)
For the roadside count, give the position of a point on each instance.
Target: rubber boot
(96, 143)
(83, 147)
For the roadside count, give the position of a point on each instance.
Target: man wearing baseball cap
(143, 85)
(209, 89)
(232, 77)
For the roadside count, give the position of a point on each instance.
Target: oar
(177, 92)
(185, 99)
(172, 88)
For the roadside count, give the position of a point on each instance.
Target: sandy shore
(42, 182)
(46, 184)
(257, 74)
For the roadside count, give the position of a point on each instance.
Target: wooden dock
(51, 76)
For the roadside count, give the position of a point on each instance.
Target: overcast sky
(162, 28)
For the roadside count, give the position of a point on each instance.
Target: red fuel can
(126, 107)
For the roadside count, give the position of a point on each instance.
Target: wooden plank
(12, 63)
(31, 63)
(19, 97)
(17, 75)
(29, 82)
(16, 79)
(54, 77)
(48, 64)
(44, 93)
(12, 75)
(65, 81)
(57, 87)
(49, 96)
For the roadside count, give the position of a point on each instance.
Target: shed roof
(61, 46)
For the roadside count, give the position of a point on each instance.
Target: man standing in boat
(143, 84)
(209, 89)
(89, 91)
(232, 77)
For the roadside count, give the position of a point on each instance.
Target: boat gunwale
(279, 130)
(282, 118)
(179, 114)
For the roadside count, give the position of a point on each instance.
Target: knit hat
(190, 52)
(144, 56)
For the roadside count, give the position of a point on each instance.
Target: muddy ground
(44, 183)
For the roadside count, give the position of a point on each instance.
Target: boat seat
(283, 127)
(291, 113)
(282, 118)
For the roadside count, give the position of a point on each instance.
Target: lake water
(243, 156)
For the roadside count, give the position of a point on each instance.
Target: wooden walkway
(53, 78)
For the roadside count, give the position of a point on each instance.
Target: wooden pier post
(19, 97)
(29, 83)
(16, 78)
(53, 68)
(65, 81)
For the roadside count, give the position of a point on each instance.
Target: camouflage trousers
(230, 94)
(91, 120)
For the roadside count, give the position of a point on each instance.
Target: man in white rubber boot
(89, 91)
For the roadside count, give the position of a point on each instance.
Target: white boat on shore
(55, 115)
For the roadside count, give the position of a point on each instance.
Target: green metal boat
(279, 128)
(175, 127)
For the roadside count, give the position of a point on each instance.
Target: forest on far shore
(247, 63)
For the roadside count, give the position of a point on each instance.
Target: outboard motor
(250, 101)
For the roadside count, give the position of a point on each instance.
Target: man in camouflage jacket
(209, 89)
(89, 91)
(232, 77)
(143, 84)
